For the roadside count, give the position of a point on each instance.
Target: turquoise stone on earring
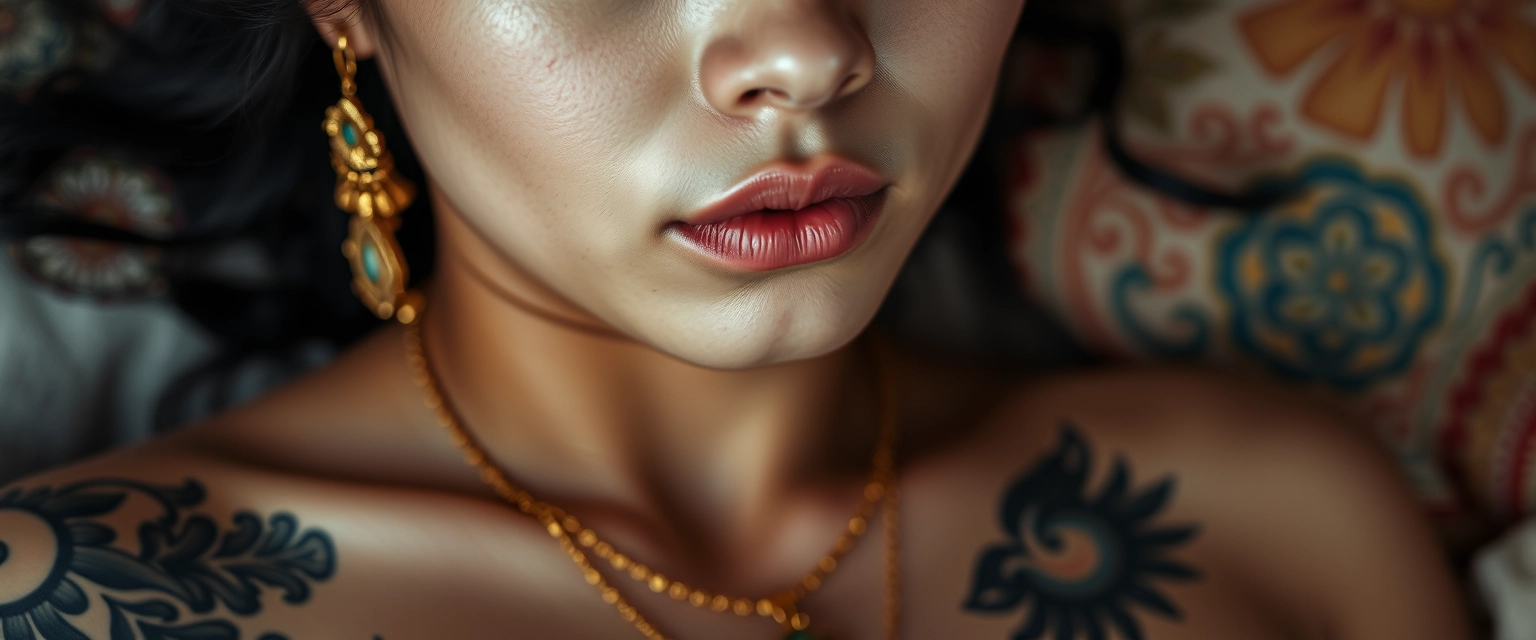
(371, 262)
(799, 635)
(349, 134)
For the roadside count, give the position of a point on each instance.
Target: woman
(662, 228)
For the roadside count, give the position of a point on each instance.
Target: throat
(637, 438)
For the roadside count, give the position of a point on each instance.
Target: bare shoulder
(1208, 427)
(1205, 427)
(1184, 412)
(1215, 478)
(297, 516)
(156, 541)
(171, 540)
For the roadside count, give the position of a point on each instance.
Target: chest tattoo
(1082, 564)
(187, 578)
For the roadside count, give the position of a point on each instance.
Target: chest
(491, 577)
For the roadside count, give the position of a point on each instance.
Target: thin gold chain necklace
(577, 540)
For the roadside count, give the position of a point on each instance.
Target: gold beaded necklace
(577, 540)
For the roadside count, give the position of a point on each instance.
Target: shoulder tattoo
(1083, 564)
(186, 579)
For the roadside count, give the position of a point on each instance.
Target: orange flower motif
(1437, 49)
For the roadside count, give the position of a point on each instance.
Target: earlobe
(334, 17)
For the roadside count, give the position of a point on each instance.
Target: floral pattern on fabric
(1384, 319)
(1491, 433)
(1129, 268)
(34, 43)
(111, 191)
(1341, 285)
(1488, 432)
(122, 12)
(1442, 52)
(1159, 67)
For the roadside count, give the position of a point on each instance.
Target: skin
(717, 424)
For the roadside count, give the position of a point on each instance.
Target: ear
(332, 17)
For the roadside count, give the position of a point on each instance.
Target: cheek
(585, 88)
(526, 109)
(945, 56)
(949, 41)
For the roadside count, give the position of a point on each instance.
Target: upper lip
(785, 186)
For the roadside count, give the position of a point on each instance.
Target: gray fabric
(80, 376)
(1506, 578)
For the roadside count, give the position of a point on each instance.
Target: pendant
(800, 635)
(378, 272)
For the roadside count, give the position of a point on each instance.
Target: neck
(593, 421)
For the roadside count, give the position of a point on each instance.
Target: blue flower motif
(1340, 285)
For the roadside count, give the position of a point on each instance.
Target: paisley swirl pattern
(1489, 435)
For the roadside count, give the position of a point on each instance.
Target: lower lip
(769, 240)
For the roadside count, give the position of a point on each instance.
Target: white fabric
(1506, 575)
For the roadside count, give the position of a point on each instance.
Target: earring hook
(346, 64)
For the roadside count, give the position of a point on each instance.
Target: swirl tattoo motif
(1080, 562)
(185, 563)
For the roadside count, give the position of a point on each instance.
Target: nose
(791, 55)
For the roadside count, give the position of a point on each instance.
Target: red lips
(789, 215)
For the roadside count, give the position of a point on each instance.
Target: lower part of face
(575, 135)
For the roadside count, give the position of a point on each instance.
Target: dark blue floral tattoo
(1080, 562)
(184, 562)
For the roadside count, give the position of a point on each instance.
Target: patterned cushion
(1402, 279)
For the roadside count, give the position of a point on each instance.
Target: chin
(760, 330)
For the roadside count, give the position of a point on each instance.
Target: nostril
(771, 96)
(852, 79)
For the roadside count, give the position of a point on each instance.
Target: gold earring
(368, 188)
